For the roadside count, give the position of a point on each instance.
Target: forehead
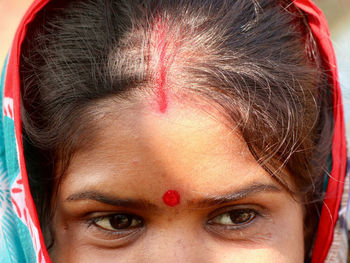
(142, 151)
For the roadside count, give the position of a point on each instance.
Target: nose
(175, 246)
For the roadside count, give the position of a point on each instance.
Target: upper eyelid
(95, 219)
(130, 232)
(259, 209)
(220, 229)
(109, 212)
(114, 234)
(257, 213)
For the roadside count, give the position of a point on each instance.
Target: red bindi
(171, 198)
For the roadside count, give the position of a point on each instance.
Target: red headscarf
(329, 213)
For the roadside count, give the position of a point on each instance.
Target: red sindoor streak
(165, 51)
(161, 77)
(171, 198)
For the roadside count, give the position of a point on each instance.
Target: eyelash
(92, 223)
(251, 213)
(253, 229)
(226, 231)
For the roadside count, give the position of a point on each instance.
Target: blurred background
(338, 16)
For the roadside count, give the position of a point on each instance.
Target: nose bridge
(174, 245)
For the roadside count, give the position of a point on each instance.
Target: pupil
(241, 216)
(120, 221)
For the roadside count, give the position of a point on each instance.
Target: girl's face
(114, 203)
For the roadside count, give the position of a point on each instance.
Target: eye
(118, 222)
(250, 223)
(237, 217)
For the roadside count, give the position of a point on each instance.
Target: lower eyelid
(252, 216)
(108, 238)
(100, 231)
(237, 226)
(139, 221)
(248, 231)
(256, 231)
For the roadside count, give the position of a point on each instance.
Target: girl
(177, 131)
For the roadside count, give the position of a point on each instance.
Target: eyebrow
(251, 190)
(109, 200)
(208, 201)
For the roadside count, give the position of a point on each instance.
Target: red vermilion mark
(161, 70)
(165, 49)
(171, 198)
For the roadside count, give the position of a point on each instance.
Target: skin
(140, 154)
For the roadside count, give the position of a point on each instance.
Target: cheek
(179, 251)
